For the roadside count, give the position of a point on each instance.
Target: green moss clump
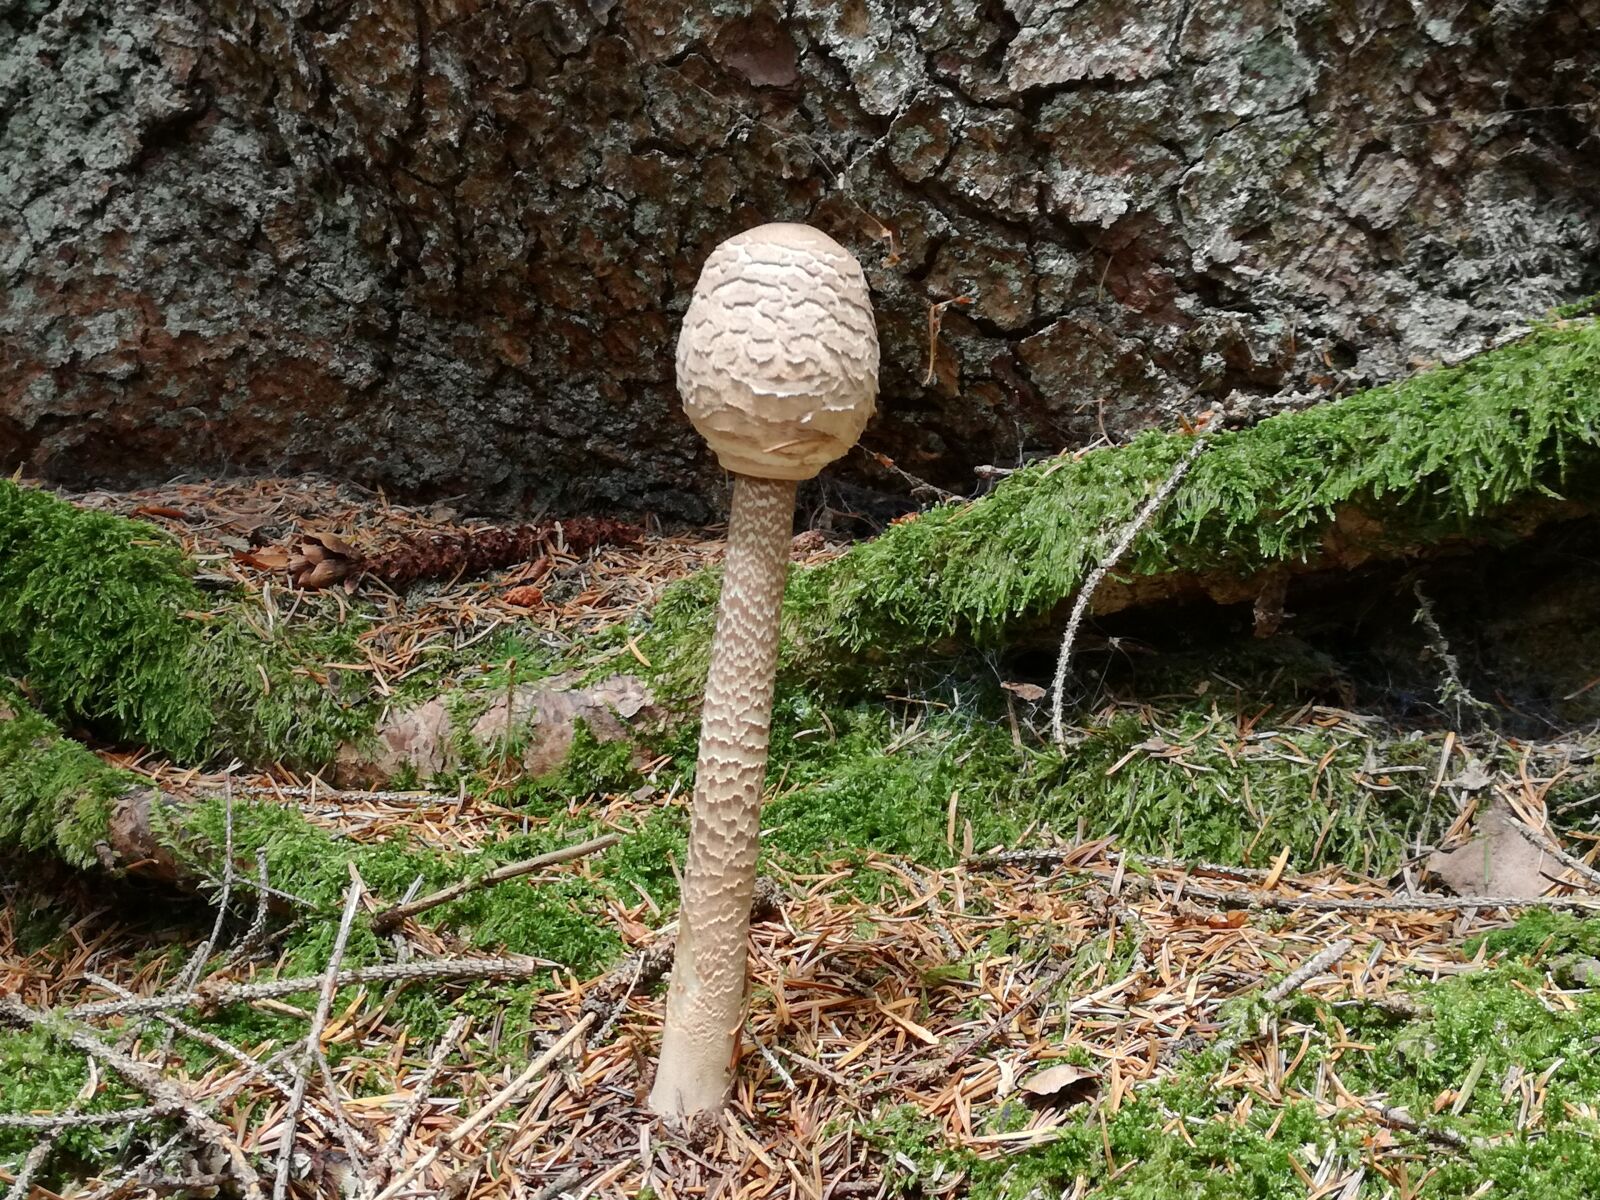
(1431, 456)
(1176, 780)
(1446, 452)
(56, 797)
(99, 616)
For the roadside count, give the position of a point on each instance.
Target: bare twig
(258, 926)
(1246, 898)
(389, 1156)
(239, 993)
(490, 1106)
(1453, 689)
(391, 917)
(1544, 842)
(319, 1018)
(1090, 585)
(1056, 856)
(253, 1069)
(80, 1120)
(170, 1098)
(1307, 971)
(1286, 987)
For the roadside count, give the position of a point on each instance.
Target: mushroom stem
(705, 1003)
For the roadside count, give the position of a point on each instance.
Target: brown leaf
(526, 596)
(1064, 1084)
(1031, 692)
(313, 552)
(1498, 861)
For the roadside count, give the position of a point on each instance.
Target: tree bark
(443, 245)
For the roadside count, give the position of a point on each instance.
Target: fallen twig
(207, 997)
(319, 1018)
(170, 1099)
(391, 917)
(1242, 898)
(1286, 987)
(1086, 593)
(490, 1106)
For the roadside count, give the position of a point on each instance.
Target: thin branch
(1090, 585)
(491, 1106)
(81, 1120)
(393, 916)
(1288, 986)
(1243, 898)
(206, 997)
(170, 1098)
(302, 1075)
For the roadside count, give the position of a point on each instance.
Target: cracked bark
(442, 245)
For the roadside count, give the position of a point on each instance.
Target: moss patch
(1191, 1136)
(99, 616)
(1448, 452)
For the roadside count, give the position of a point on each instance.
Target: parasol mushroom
(778, 370)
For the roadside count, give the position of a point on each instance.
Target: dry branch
(170, 1099)
(391, 917)
(212, 997)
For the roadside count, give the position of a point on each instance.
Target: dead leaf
(526, 596)
(1498, 861)
(271, 558)
(1031, 692)
(1064, 1084)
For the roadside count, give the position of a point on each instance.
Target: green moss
(1542, 934)
(1174, 780)
(55, 795)
(1432, 455)
(1449, 451)
(99, 616)
(37, 1078)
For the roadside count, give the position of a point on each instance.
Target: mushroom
(778, 370)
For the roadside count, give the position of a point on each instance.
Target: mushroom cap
(778, 357)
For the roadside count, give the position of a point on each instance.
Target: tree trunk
(443, 246)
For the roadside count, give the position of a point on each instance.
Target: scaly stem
(705, 1003)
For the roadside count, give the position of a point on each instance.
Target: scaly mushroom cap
(778, 358)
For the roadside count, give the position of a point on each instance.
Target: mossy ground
(1195, 1135)
(102, 622)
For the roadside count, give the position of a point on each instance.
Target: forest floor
(933, 1012)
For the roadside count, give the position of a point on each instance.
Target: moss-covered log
(1483, 451)
(102, 619)
(59, 799)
